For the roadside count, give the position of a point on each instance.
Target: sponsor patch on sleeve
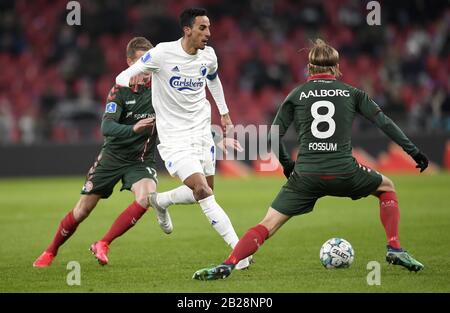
(111, 107)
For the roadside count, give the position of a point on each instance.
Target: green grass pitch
(147, 260)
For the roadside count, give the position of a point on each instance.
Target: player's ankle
(394, 248)
(230, 265)
(163, 199)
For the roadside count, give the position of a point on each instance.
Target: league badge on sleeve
(146, 57)
(111, 107)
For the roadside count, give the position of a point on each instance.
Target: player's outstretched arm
(371, 111)
(123, 79)
(397, 135)
(149, 62)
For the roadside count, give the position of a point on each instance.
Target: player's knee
(391, 185)
(143, 201)
(388, 184)
(202, 191)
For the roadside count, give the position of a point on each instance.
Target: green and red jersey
(322, 111)
(124, 108)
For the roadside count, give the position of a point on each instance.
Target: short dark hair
(137, 44)
(188, 16)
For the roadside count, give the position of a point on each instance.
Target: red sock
(124, 221)
(248, 244)
(66, 228)
(390, 217)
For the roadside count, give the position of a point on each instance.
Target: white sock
(180, 195)
(219, 220)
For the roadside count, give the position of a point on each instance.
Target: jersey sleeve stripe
(212, 76)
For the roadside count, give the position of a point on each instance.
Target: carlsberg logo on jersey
(325, 93)
(183, 83)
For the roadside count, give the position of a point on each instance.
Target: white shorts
(184, 160)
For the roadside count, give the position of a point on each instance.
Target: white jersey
(178, 90)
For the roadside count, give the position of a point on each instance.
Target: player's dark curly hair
(188, 16)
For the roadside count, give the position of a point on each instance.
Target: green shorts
(106, 173)
(300, 193)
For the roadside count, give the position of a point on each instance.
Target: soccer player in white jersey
(181, 71)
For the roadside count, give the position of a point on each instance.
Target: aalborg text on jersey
(325, 93)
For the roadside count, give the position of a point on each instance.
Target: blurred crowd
(55, 77)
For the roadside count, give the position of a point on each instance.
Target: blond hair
(323, 58)
(137, 44)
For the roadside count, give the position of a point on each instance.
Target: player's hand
(231, 143)
(146, 123)
(137, 80)
(227, 124)
(421, 160)
(288, 169)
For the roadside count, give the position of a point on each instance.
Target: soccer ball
(336, 253)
